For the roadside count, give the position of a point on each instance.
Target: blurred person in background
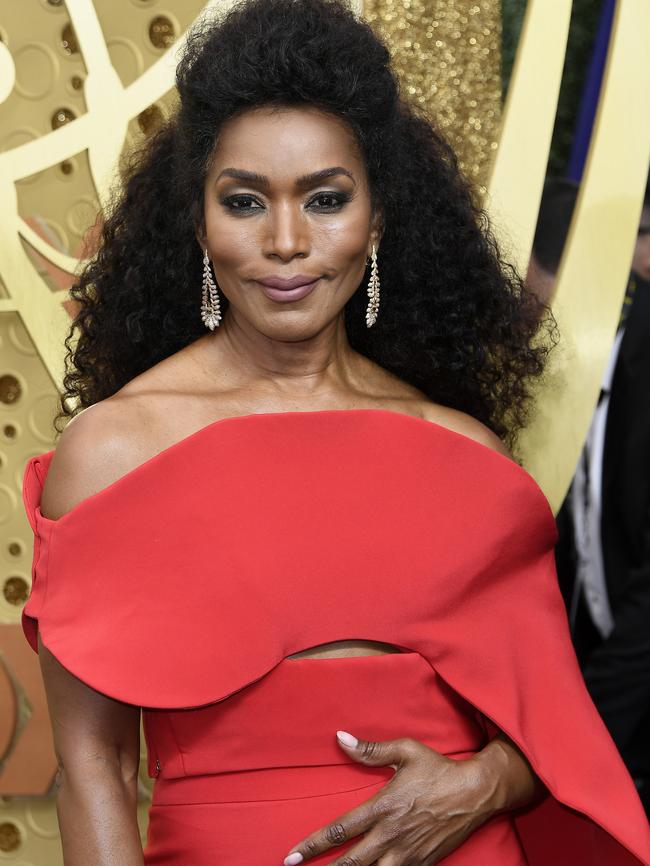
(603, 552)
(553, 221)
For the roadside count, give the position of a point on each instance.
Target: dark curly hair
(455, 321)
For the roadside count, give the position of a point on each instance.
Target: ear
(376, 230)
(200, 234)
(198, 219)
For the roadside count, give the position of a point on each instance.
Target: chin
(291, 328)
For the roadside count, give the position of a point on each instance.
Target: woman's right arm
(97, 744)
(96, 738)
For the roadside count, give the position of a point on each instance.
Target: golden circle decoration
(126, 57)
(15, 590)
(17, 338)
(81, 214)
(150, 119)
(69, 42)
(42, 822)
(36, 70)
(8, 501)
(10, 389)
(162, 32)
(62, 116)
(10, 837)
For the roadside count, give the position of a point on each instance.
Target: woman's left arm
(430, 805)
(507, 771)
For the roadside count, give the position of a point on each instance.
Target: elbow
(95, 771)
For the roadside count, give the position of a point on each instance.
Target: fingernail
(347, 740)
(292, 859)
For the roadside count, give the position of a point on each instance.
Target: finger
(340, 830)
(390, 858)
(377, 753)
(364, 853)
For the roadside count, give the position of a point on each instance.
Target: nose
(288, 234)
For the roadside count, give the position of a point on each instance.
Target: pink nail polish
(347, 739)
(292, 859)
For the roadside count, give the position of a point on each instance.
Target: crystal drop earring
(210, 309)
(373, 291)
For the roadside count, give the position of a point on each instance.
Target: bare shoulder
(467, 425)
(403, 396)
(98, 446)
(416, 402)
(114, 436)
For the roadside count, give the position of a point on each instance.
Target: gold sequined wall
(448, 56)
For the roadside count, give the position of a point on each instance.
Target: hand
(425, 811)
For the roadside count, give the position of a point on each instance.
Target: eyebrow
(303, 182)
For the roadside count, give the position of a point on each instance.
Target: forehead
(286, 141)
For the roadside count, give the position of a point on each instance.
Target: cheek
(231, 241)
(344, 236)
(340, 243)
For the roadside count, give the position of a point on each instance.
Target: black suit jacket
(617, 670)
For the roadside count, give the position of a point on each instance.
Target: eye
(324, 201)
(239, 203)
(332, 200)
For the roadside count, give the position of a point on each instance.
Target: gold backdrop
(79, 82)
(447, 54)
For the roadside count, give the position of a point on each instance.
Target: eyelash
(339, 197)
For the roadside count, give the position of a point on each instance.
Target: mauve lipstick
(284, 290)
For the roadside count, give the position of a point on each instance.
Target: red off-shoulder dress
(183, 587)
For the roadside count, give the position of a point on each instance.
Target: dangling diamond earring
(210, 309)
(373, 291)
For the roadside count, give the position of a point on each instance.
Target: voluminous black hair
(455, 320)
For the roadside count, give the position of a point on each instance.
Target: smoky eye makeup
(326, 201)
(336, 198)
(240, 202)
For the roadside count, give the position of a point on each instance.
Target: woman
(304, 519)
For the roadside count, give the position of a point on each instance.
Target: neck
(317, 366)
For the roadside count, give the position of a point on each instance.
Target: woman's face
(287, 196)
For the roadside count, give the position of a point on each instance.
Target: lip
(295, 289)
(286, 284)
